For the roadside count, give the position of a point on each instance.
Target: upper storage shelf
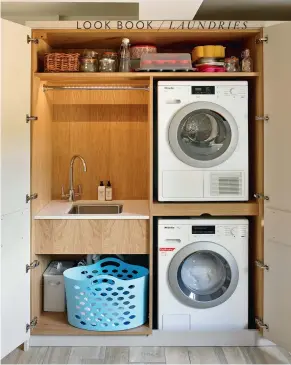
(166, 40)
(134, 77)
(163, 38)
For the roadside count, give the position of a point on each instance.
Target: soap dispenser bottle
(101, 191)
(108, 191)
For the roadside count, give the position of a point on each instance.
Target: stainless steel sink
(96, 209)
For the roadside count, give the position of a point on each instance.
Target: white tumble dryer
(202, 140)
(202, 274)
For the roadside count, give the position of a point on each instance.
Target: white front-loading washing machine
(202, 274)
(202, 140)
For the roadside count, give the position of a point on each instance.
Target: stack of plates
(210, 64)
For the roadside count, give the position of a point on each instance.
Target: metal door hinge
(262, 40)
(261, 196)
(33, 40)
(31, 325)
(260, 323)
(264, 117)
(30, 118)
(31, 197)
(261, 265)
(33, 265)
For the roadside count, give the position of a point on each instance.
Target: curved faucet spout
(71, 176)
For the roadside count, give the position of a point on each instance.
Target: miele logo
(169, 88)
(169, 227)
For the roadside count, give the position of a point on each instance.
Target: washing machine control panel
(203, 90)
(231, 91)
(240, 231)
(203, 229)
(232, 230)
(176, 234)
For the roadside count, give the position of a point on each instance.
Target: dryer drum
(201, 126)
(203, 134)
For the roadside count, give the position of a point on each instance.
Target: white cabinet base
(159, 338)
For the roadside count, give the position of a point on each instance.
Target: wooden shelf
(169, 38)
(123, 78)
(54, 323)
(197, 209)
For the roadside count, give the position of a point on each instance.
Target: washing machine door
(203, 134)
(203, 275)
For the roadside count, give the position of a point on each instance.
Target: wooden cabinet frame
(50, 40)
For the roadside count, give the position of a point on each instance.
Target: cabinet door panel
(15, 282)
(277, 246)
(15, 184)
(15, 104)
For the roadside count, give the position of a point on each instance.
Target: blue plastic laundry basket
(110, 295)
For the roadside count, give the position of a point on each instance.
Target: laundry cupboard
(42, 127)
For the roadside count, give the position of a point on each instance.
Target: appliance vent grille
(226, 184)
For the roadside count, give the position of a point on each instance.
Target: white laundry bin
(54, 288)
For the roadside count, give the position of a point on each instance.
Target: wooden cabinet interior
(112, 138)
(113, 131)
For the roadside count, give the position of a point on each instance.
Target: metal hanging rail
(60, 87)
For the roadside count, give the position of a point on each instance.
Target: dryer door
(203, 134)
(203, 275)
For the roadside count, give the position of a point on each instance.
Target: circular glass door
(203, 134)
(203, 275)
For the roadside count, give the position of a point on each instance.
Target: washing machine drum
(203, 275)
(203, 134)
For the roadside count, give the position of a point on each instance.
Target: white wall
(138, 9)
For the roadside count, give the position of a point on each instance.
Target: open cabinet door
(277, 140)
(15, 184)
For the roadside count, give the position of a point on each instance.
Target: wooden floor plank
(35, 355)
(82, 355)
(57, 355)
(148, 355)
(116, 355)
(235, 355)
(272, 355)
(206, 355)
(177, 355)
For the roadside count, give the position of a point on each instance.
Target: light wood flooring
(149, 355)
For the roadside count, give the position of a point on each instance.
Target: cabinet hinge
(30, 118)
(261, 265)
(261, 196)
(31, 325)
(33, 265)
(31, 197)
(260, 323)
(33, 40)
(262, 40)
(266, 118)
